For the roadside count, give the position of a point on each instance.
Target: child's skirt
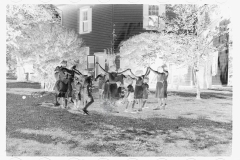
(130, 97)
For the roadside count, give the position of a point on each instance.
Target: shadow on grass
(204, 95)
(31, 116)
(229, 89)
(24, 85)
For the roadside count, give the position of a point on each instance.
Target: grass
(187, 127)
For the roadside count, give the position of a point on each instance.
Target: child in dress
(101, 80)
(129, 96)
(88, 94)
(145, 91)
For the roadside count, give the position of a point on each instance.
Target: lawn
(188, 127)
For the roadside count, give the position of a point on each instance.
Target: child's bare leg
(75, 104)
(78, 104)
(88, 104)
(66, 102)
(127, 105)
(102, 96)
(159, 104)
(62, 102)
(165, 99)
(140, 104)
(163, 103)
(133, 104)
(144, 102)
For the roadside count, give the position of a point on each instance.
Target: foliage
(143, 49)
(22, 16)
(34, 35)
(45, 45)
(187, 39)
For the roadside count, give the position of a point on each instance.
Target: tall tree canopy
(186, 40)
(34, 35)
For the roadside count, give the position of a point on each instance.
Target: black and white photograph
(147, 79)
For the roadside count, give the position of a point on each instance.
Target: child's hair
(146, 80)
(140, 78)
(88, 80)
(130, 88)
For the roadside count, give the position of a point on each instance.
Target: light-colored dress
(145, 90)
(130, 97)
(160, 86)
(165, 84)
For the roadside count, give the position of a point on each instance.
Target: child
(101, 85)
(145, 91)
(129, 96)
(165, 69)
(89, 97)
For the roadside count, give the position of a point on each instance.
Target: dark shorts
(63, 88)
(145, 95)
(138, 92)
(76, 95)
(113, 90)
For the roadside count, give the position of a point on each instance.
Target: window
(153, 10)
(153, 16)
(85, 20)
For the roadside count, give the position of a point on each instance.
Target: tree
(186, 40)
(143, 49)
(198, 27)
(22, 17)
(45, 45)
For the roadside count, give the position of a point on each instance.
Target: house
(222, 75)
(104, 26)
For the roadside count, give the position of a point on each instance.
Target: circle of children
(115, 88)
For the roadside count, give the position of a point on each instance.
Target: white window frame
(146, 16)
(85, 21)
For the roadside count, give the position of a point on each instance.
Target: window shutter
(162, 12)
(80, 22)
(117, 62)
(145, 16)
(162, 9)
(90, 20)
(88, 50)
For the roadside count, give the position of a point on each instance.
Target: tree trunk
(197, 81)
(20, 70)
(42, 85)
(49, 86)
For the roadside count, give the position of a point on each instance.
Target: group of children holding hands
(138, 94)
